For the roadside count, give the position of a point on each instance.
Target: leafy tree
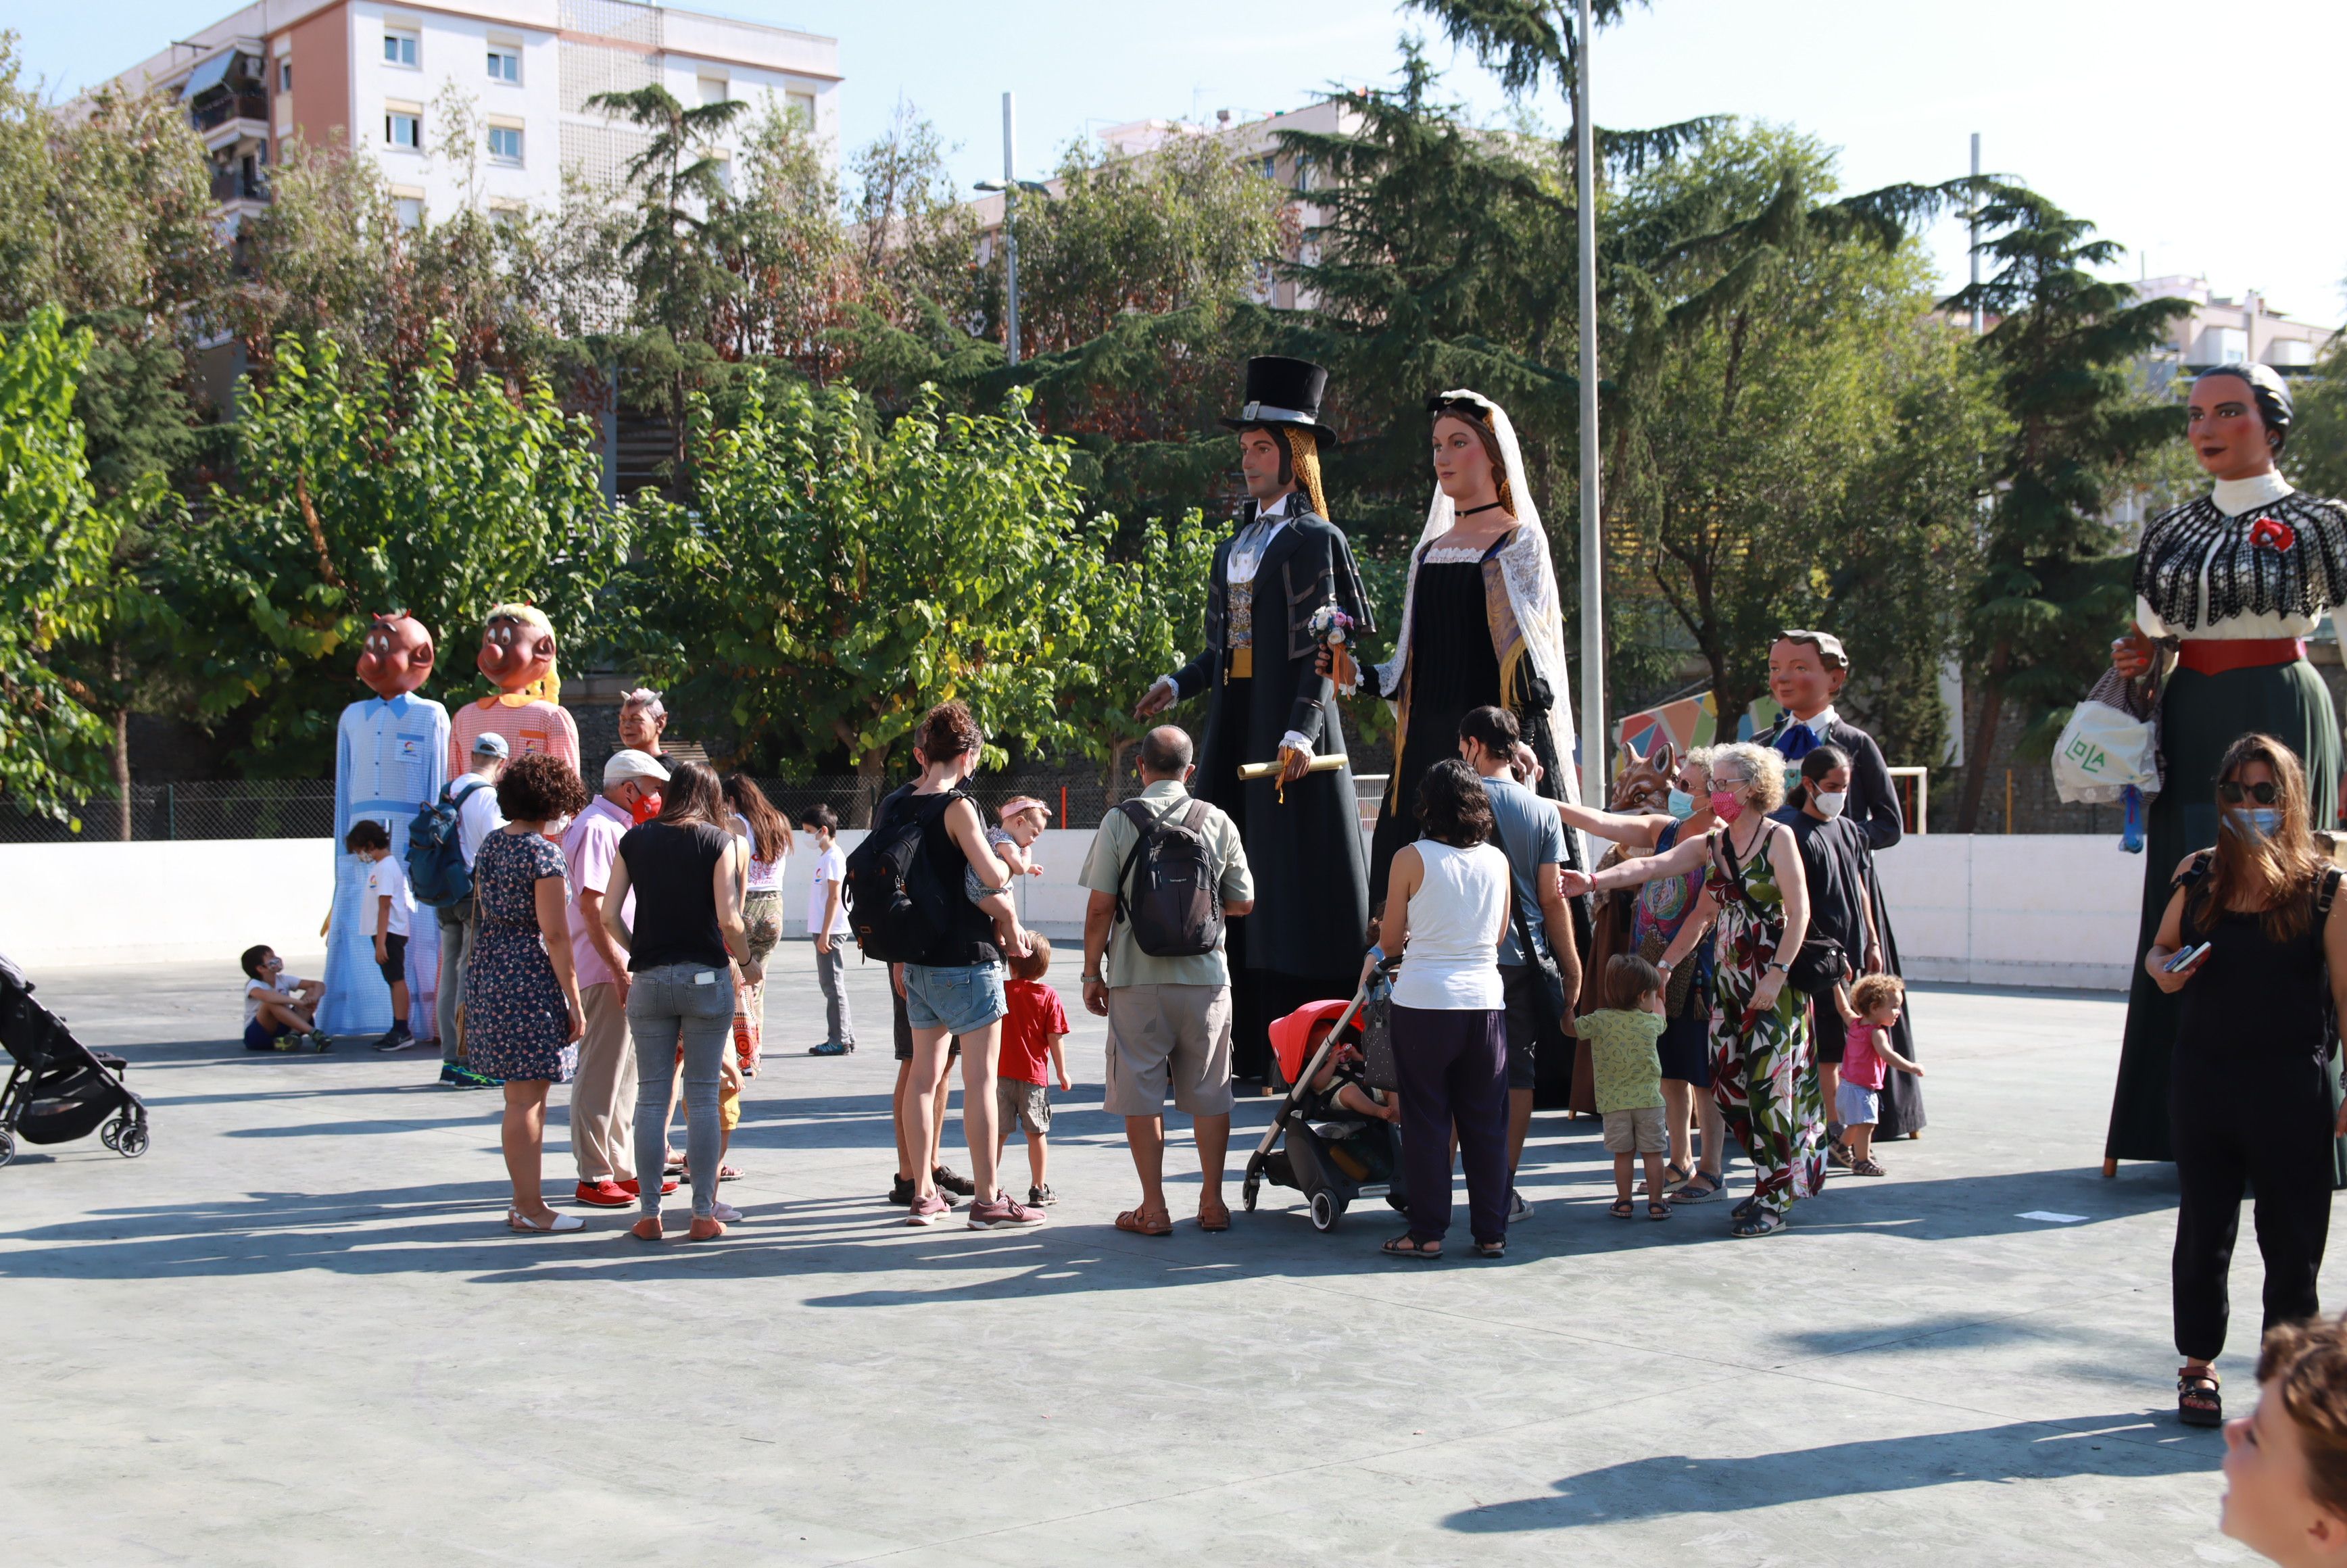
(2054, 588)
(917, 237)
(57, 539)
(793, 261)
(2317, 453)
(361, 490)
(826, 586)
(1143, 612)
(679, 282)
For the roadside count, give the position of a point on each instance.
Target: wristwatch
(1091, 979)
(1774, 965)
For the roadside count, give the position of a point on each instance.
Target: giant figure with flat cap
(1283, 565)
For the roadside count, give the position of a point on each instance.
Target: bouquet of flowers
(1332, 628)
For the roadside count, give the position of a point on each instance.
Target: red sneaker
(635, 1189)
(604, 1194)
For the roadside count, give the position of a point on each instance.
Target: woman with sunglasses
(1763, 1073)
(2227, 588)
(2249, 931)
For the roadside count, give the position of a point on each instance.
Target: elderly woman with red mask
(2227, 588)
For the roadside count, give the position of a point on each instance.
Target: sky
(2200, 138)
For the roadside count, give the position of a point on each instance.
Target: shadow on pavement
(1670, 1485)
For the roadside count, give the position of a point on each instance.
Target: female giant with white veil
(1480, 623)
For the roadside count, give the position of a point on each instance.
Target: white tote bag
(2104, 748)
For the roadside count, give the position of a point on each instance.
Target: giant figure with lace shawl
(2227, 588)
(1480, 624)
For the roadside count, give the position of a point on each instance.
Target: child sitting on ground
(1034, 1034)
(1021, 822)
(389, 908)
(1622, 1036)
(279, 1007)
(1870, 1008)
(2286, 1464)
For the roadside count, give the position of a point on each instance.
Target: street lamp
(1010, 185)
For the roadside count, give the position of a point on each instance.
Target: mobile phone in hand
(2185, 959)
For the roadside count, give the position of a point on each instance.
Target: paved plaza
(296, 1332)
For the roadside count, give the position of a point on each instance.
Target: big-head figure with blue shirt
(391, 756)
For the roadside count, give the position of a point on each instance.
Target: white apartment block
(2220, 329)
(372, 76)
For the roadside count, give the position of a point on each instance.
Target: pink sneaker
(1004, 1213)
(928, 1211)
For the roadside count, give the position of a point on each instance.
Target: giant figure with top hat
(1283, 583)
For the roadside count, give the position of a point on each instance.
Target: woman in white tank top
(1446, 909)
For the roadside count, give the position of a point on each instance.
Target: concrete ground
(296, 1332)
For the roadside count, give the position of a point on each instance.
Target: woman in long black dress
(2248, 1086)
(1480, 624)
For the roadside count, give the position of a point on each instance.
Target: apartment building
(2223, 330)
(380, 77)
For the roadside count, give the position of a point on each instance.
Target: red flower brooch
(2269, 534)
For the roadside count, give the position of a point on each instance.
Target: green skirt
(2200, 715)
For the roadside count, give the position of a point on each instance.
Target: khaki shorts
(1163, 1038)
(1639, 1131)
(1019, 1103)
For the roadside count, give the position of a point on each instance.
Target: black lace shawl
(2297, 567)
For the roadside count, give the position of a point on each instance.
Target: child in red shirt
(1033, 1032)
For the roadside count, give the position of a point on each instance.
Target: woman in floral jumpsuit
(1763, 1064)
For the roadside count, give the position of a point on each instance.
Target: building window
(801, 107)
(284, 76)
(714, 90)
(1271, 166)
(505, 62)
(505, 143)
(403, 127)
(407, 211)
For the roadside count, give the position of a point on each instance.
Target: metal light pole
(1979, 317)
(1011, 233)
(1593, 747)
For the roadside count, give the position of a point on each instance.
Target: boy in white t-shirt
(827, 924)
(393, 908)
(279, 1007)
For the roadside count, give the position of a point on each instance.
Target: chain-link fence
(304, 808)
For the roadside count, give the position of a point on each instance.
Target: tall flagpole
(1593, 749)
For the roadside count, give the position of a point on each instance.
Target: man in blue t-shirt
(1532, 836)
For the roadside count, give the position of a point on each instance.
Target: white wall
(2020, 910)
(2026, 910)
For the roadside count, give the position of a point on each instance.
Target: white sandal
(520, 1226)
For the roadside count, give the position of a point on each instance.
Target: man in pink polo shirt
(603, 1093)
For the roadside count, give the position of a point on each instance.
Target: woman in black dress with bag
(2256, 923)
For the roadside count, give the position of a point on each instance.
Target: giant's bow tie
(1796, 740)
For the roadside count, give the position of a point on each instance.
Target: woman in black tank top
(2251, 1093)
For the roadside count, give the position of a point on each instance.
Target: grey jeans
(831, 974)
(689, 1006)
(457, 928)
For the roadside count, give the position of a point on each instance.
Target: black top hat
(1284, 391)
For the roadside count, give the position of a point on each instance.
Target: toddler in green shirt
(1629, 1073)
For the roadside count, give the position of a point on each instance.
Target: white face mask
(1829, 803)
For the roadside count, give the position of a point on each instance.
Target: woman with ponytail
(2249, 930)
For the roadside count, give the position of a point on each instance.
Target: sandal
(520, 1226)
(1619, 1208)
(2198, 1402)
(1657, 1210)
(1494, 1249)
(1406, 1245)
(1691, 1194)
(1675, 1174)
(1760, 1222)
(1214, 1217)
(1743, 1210)
(1866, 1167)
(1145, 1221)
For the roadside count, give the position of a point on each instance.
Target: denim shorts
(963, 998)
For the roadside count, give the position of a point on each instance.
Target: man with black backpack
(1164, 871)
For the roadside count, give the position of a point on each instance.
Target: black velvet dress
(1452, 669)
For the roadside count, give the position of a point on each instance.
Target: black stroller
(1337, 1158)
(60, 1090)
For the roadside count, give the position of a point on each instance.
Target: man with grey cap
(474, 797)
(603, 1092)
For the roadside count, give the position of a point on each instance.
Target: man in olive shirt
(1169, 1020)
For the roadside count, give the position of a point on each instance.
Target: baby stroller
(60, 1090)
(1332, 1157)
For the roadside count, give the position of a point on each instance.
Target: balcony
(215, 112)
(239, 185)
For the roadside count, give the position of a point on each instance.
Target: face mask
(2262, 820)
(1726, 806)
(1830, 802)
(1681, 804)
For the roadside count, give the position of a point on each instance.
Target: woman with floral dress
(522, 1012)
(1763, 1066)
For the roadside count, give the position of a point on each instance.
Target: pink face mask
(1726, 806)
